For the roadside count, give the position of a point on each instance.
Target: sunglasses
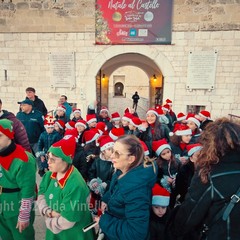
(118, 154)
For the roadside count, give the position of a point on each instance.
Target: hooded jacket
(129, 201)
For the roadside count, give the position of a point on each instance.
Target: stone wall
(78, 15)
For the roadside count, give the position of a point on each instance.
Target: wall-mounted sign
(201, 70)
(62, 70)
(133, 21)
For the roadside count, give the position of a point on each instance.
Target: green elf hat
(6, 128)
(64, 149)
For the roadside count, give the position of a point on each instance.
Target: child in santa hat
(160, 212)
(116, 120)
(76, 114)
(46, 139)
(63, 195)
(60, 113)
(101, 171)
(194, 124)
(59, 126)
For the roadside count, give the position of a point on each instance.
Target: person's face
(49, 129)
(131, 127)
(4, 141)
(186, 138)
(62, 100)
(107, 153)
(60, 113)
(125, 123)
(120, 157)
(116, 122)
(80, 128)
(26, 108)
(30, 94)
(77, 115)
(104, 114)
(151, 118)
(92, 124)
(56, 127)
(166, 154)
(56, 164)
(194, 157)
(159, 211)
(192, 125)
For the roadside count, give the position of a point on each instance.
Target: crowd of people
(168, 176)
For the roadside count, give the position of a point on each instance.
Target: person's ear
(131, 159)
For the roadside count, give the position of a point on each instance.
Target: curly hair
(218, 139)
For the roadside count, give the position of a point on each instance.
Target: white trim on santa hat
(162, 147)
(92, 120)
(183, 132)
(61, 108)
(124, 118)
(196, 121)
(68, 126)
(107, 145)
(104, 109)
(77, 111)
(162, 201)
(152, 111)
(166, 109)
(193, 150)
(114, 137)
(200, 114)
(81, 124)
(59, 125)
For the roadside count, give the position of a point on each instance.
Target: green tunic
(69, 198)
(19, 173)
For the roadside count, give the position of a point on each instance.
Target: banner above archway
(133, 21)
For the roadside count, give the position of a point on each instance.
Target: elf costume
(67, 196)
(17, 187)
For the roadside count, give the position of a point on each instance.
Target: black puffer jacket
(20, 134)
(204, 201)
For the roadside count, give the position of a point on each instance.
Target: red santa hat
(115, 133)
(127, 110)
(159, 111)
(205, 114)
(169, 102)
(102, 128)
(127, 117)
(195, 120)
(61, 107)
(160, 196)
(135, 121)
(49, 121)
(6, 128)
(145, 148)
(73, 132)
(64, 149)
(166, 108)
(116, 116)
(104, 109)
(181, 130)
(70, 125)
(159, 145)
(81, 123)
(90, 136)
(181, 116)
(152, 110)
(91, 118)
(60, 123)
(77, 110)
(105, 142)
(192, 148)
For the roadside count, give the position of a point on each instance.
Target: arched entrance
(147, 58)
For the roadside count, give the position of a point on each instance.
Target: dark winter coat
(39, 105)
(33, 123)
(177, 151)
(46, 140)
(129, 201)
(20, 134)
(147, 136)
(204, 201)
(205, 123)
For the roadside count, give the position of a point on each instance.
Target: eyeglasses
(118, 154)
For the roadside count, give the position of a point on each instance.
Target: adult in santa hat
(63, 194)
(17, 186)
(159, 212)
(154, 129)
(205, 118)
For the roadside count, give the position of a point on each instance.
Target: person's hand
(22, 226)
(97, 219)
(42, 158)
(103, 207)
(170, 180)
(94, 185)
(55, 214)
(183, 160)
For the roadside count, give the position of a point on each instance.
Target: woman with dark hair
(127, 202)
(154, 130)
(214, 185)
